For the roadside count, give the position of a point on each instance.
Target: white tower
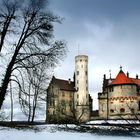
(81, 85)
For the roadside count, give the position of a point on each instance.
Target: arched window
(122, 110)
(111, 111)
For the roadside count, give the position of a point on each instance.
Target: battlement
(102, 95)
(81, 58)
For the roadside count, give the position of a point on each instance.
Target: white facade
(81, 85)
(81, 79)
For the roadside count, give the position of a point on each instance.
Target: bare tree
(7, 15)
(33, 32)
(11, 98)
(36, 90)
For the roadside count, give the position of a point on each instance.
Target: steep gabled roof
(122, 79)
(64, 84)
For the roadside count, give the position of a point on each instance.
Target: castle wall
(59, 104)
(122, 101)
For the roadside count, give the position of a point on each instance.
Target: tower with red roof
(120, 97)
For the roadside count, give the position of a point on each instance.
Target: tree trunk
(11, 98)
(34, 106)
(5, 28)
(6, 79)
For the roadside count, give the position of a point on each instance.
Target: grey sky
(108, 31)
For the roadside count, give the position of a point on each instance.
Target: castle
(69, 101)
(120, 97)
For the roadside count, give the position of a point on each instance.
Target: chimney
(104, 76)
(127, 74)
(69, 80)
(137, 77)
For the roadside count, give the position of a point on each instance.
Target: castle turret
(81, 85)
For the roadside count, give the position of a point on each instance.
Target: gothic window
(122, 110)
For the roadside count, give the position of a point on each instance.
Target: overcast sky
(108, 31)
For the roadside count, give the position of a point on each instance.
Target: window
(122, 110)
(81, 66)
(111, 89)
(77, 81)
(77, 96)
(77, 103)
(139, 105)
(87, 96)
(77, 72)
(52, 102)
(111, 111)
(63, 93)
(132, 110)
(53, 112)
(77, 88)
(70, 103)
(86, 72)
(63, 104)
(71, 95)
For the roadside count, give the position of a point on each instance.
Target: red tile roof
(136, 81)
(122, 79)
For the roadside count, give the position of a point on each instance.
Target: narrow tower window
(77, 81)
(77, 96)
(77, 72)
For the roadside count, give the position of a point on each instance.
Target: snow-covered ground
(52, 134)
(114, 122)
